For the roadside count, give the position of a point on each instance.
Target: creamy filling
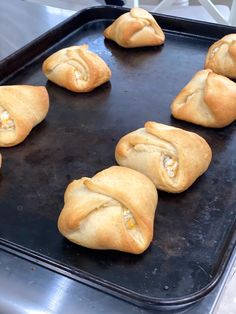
(77, 75)
(81, 75)
(170, 165)
(131, 225)
(80, 71)
(6, 123)
(129, 220)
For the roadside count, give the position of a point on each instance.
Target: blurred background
(216, 11)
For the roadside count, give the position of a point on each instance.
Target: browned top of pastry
(221, 56)
(171, 157)
(121, 187)
(21, 108)
(76, 68)
(208, 99)
(137, 28)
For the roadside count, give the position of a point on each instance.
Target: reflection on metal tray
(193, 230)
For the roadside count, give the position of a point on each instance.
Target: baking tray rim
(116, 290)
(83, 276)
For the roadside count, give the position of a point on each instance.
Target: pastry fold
(112, 210)
(136, 28)
(171, 157)
(22, 107)
(221, 56)
(208, 99)
(77, 69)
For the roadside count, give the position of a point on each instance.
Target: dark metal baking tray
(194, 231)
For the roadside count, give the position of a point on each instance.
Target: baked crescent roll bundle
(171, 157)
(221, 56)
(77, 69)
(21, 108)
(208, 99)
(136, 28)
(112, 210)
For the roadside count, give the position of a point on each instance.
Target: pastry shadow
(105, 258)
(58, 94)
(132, 56)
(36, 135)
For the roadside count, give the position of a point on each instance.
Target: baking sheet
(193, 230)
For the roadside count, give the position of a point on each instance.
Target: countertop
(22, 22)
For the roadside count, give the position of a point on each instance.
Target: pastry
(112, 210)
(136, 28)
(221, 56)
(171, 157)
(77, 69)
(21, 108)
(208, 99)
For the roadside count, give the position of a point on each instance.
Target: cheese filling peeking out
(129, 219)
(81, 75)
(80, 72)
(170, 165)
(6, 123)
(77, 75)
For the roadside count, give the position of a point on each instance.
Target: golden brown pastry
(136, 28)
(77, 69)
(221, 56)
(112, 210)
(208, 99)
(21, 108)
(171, 157)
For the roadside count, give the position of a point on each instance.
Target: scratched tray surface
(193, 229)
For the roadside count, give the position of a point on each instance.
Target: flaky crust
(77, 69)
(27, 106)
(208, 99)
(171, 157)
(137, 28)
(221, 56)
(93, 214)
